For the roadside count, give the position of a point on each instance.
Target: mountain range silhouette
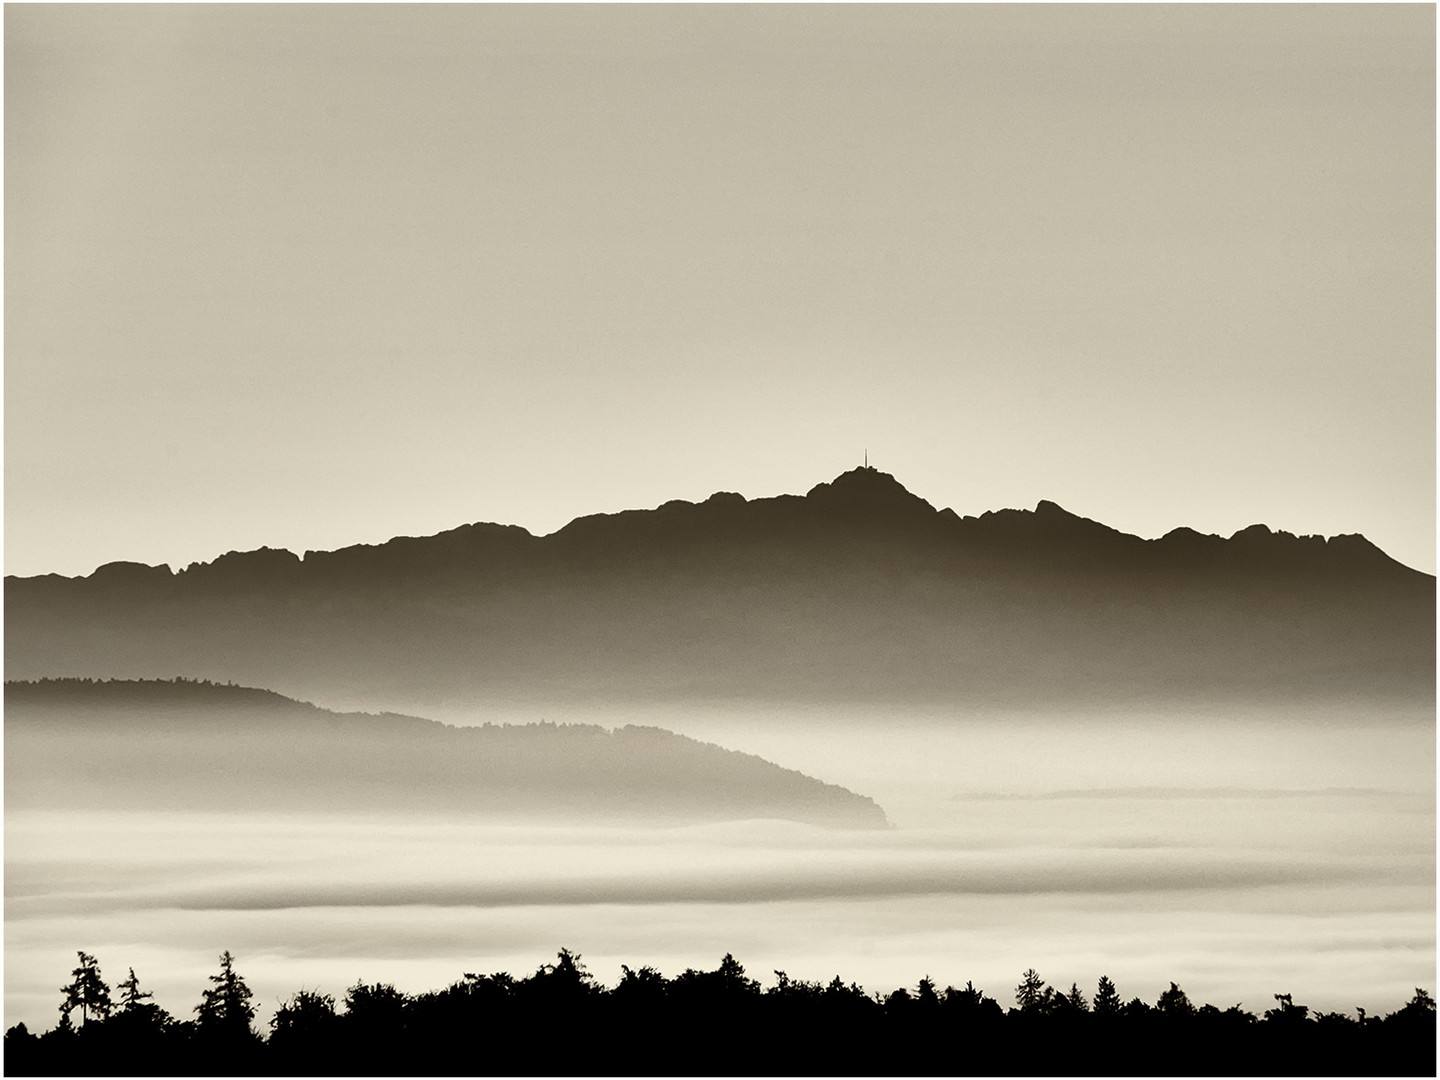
(858, 590)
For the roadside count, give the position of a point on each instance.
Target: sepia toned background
(309, 276)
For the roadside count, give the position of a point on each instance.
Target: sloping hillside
(200, 746)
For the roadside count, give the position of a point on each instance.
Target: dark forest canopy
(561, 1020)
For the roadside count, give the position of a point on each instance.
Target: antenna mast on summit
(867, 457)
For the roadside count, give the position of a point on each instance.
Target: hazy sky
(309, 276)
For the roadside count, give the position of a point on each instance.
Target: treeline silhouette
(560, 1020)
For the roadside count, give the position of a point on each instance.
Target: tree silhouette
(727, 983)
(378, 1005)
(566, 975)
(305, 1010)
(642, 988)
(131, 996)
(137, 1015)
(225, 1008)
(304, 1023)
(1107, 999)
(925, 994)
(86, 991)
(1134, 1009)
(1030, 994)
(561, 1021)
(970, 1001)
(733, 979)
(1174, 1003)
(1287, 1012)
(898, 1001)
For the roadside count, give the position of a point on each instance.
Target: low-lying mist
(922, 765)
(1238, 855)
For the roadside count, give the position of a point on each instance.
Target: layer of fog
(921, 766)
(1240, 856)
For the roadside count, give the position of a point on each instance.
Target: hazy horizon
(311, 276)
(307, 276)
(1272, 853)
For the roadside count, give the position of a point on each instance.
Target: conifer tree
(1031, 992)
(131, 996)
(86, 992)
(925, 993)
(225, 1008)
(136, 1010)
(1107, 999)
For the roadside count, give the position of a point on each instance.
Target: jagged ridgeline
(194, 745)
(856, 591)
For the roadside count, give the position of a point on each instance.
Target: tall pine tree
(1107, 999)
(225, 1008)
(86, 992)
(1030, 994)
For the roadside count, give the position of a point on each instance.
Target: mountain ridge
(858, 590)
(850, 497)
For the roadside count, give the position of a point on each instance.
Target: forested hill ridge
(75, 696)
(857, 590)
(704, 1023)
(194, 745)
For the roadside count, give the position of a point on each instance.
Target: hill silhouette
(858, 590)
(187, 745)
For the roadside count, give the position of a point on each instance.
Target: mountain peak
(867, 489)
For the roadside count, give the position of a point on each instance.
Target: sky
(307, 276)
